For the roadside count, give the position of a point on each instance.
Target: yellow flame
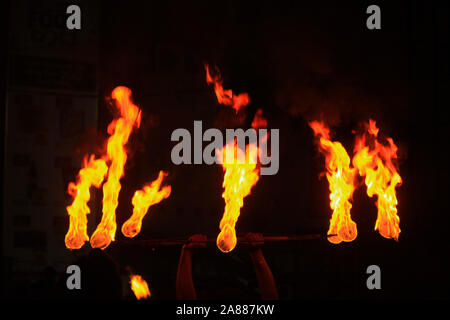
(139, 287)
(240, 176)
(372, 160)
(381, 178)
(142, 200)
(340, 177)
(92, 173)
(120, 131)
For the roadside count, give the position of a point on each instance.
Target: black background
(298, 61)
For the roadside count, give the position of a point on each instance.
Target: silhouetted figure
(185, 289)
(185, 285)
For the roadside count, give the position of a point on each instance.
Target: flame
(258, 120)
(120, 130)
(340, 177)
(240, 176)
(139, 287)
(376, 164)
(142, 200)
(92, 173)
(226, 97)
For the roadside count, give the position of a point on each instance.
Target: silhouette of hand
(196, 241)
(255, 240)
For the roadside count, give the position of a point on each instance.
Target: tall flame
(240, 176)
(340, 177)
(142, 200)
(120, 131)
(226, 97)
(376, 164)
(92, 174)
(139, 287)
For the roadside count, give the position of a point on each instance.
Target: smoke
(329, 76)
(310, 85)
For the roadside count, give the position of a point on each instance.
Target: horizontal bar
(241, 239)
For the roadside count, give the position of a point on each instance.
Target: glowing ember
(139, 287)
(92, 173)
(120, 131)
(142, 200)
(226, 97)
(341, 183)
(375, 161)
(240, 176)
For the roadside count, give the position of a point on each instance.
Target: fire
(92, 174)
(239, 178)
(241, 172)
(120, 130)
(375, 161)
(258, 120)
(340, 177)
(226, 97)
(139, 287)
(142, 200)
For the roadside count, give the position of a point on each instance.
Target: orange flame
(92, 173)
(340, 177)
(120, 131)
(381, 178)
(139, 287)
(142, 200)
(240, 176)
(226, 97)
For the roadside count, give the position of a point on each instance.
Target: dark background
(298, 61)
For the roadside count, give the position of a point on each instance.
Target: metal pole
(241, 239)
